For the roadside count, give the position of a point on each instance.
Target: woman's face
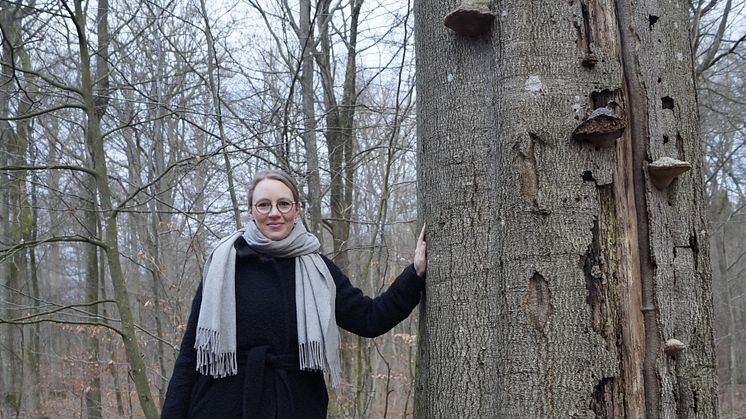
(274, 225)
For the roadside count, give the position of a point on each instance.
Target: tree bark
(556, 270)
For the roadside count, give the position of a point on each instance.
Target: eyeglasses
(265, 207)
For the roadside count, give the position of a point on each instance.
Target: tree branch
(52, 167)
(57, 310)
(43, 112)
(58, 321)
(9, 251)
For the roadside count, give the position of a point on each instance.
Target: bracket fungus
(471, 18)
(664, 170)
(601, 128)
(673, 347)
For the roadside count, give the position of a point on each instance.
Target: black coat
(269, 383)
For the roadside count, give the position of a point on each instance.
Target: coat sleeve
(371, 317)
(176, 404)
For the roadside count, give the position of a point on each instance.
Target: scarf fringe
(313, 357)
(209, 360)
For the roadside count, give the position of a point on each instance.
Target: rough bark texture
(542, 246)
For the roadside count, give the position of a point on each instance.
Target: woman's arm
(371, 317)
(368, 317)
(176, 405)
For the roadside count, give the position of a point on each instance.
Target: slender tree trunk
(213, 71)
(93, 393)
(157, 218)
(340, 138)
(35, 382)
(339, 129)
(95, 144)
(727, 337)
(307, 45)
(556, 270)
(114, 357)
(12, 220)
(25, 289)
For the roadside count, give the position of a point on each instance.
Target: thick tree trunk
(557, 271)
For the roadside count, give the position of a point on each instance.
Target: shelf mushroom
(601, 128)
(471, 18)
(673, 347)
(664, 170)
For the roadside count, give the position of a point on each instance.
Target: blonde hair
(277, 175)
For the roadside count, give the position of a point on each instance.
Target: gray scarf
(315, 291)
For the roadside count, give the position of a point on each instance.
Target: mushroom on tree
(673, 347)
(601, 128)
(664, 170)
(471, 18)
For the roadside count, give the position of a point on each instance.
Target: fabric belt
(260, 362)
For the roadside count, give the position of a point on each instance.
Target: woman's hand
(420, 254)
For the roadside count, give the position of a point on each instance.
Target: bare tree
(718, 43)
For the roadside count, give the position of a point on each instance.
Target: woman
(263, 324)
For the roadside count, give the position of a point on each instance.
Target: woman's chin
(275, 234)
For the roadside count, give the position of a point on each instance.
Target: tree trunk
(33, 357)
(12, 149)
(94, 142)
(213, 72)
(556, 269)
(307, 46)
(93, 391)
(92, 281)
(340, 138)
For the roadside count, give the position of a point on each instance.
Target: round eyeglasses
(265, 207)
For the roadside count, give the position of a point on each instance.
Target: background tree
(718, 41)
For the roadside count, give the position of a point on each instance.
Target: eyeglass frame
(275, 205)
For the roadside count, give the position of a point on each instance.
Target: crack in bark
(603, 397)
(594, 283)
(636, 95)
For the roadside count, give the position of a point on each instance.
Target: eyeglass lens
(265, 207)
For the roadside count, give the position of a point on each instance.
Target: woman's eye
(263, 206)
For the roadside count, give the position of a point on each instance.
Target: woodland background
(175, 104)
